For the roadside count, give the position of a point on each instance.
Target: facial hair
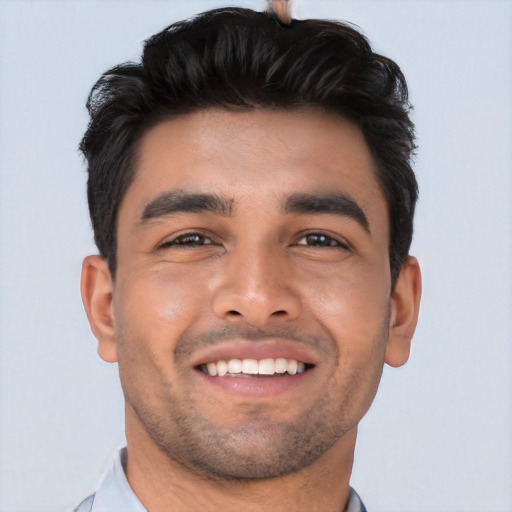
(262, 445)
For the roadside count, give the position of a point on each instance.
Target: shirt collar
(115, 493)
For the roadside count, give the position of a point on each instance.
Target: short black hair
(240, 59)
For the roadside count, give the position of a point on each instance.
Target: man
(252, 200)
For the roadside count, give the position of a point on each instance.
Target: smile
(266, 367)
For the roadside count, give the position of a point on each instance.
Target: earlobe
(404, 310)
(96, 287)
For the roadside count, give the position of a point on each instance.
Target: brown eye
(188, 240)
(319, 240)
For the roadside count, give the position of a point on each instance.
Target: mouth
(254, 368)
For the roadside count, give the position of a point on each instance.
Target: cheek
(152, 313)
(353, 306)
(352, 296)
(155, 308)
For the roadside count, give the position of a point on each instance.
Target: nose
(256, 286)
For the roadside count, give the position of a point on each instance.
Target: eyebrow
(333, 204)
(179, 201)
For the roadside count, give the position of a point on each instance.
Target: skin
(253, 277)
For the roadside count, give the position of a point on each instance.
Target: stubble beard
(260, 446)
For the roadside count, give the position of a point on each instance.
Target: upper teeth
(255, 367)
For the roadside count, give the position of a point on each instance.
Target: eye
(320, 240)
(187, 240)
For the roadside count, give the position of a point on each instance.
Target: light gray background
(438, 438)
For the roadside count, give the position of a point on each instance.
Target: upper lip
(261, 349)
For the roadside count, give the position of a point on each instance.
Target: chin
(255, 449)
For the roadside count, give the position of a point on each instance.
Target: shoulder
(113, 492)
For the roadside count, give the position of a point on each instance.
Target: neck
(162, 483)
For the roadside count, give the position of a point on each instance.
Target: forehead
(255, 157)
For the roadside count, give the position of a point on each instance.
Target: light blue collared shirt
(115, 494)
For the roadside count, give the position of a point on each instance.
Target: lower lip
(262, 387)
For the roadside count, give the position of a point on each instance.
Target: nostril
(281, 312)
(233, 312)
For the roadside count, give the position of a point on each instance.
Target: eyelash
(180, 241)
(200, 240)
(323, 241)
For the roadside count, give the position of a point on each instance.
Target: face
(256, 240)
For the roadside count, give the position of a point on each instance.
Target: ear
(97, 289)
(404, 309)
